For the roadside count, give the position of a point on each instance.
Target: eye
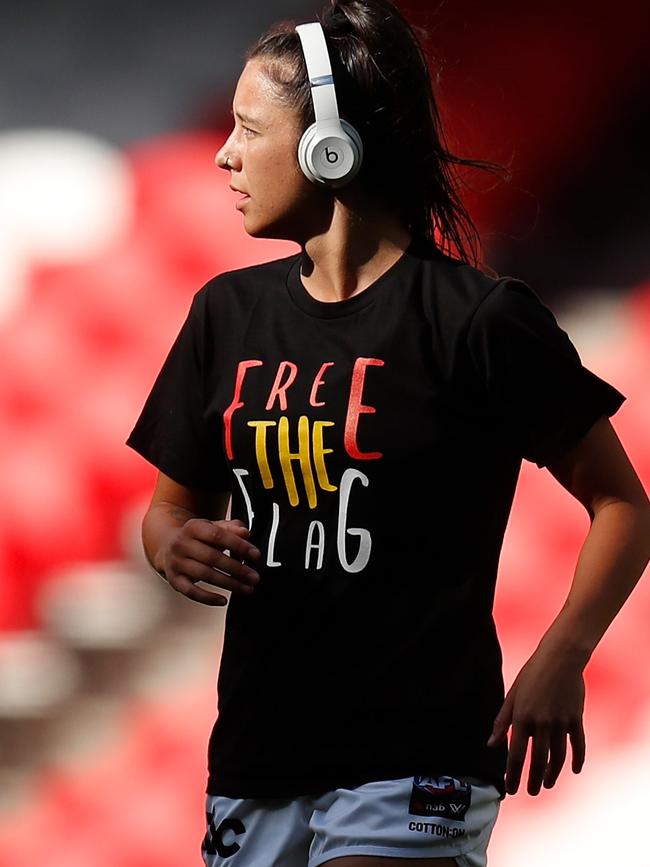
(248, 129)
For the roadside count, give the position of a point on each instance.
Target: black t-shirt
(372, 445)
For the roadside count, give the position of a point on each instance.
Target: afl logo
(440, 796)
(438, 785)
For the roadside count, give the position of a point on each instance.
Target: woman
(366, 404)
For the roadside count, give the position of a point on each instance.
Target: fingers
(208, 597)
(548, 754)
(501, 722)
(538, 759)
(223, 535)
(230, 575)
(215, 562)
(214, 552)
(557, 757)
(516, 756)
(578, 746)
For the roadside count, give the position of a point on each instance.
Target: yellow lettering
(302, 455)
(319, 454)
(261, 452)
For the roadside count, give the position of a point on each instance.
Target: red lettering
(317, 384)
(279, 389)
(236, 404)
(355, 408)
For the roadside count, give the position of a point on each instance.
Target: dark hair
(384, 89)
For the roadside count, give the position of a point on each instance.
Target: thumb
(501, 723)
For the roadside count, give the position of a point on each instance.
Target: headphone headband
(330, 151)
(319, 71)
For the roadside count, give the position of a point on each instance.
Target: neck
(340, 263)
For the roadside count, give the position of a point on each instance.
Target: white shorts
(412, 817)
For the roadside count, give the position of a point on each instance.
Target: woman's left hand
(545, 702)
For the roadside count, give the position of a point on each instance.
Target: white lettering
(239, 475)
(365, 541)
(316, 533)
(270, 554)
(318, 546)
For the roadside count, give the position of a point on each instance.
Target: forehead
(255, 97)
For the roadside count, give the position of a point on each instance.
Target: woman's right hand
(197, 552)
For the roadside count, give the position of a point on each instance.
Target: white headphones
(330, 151)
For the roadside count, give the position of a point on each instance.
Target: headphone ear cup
(303, 152)
(357, 148)
(310, 154)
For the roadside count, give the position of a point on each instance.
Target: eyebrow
(246, 118)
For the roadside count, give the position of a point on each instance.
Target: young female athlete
(364, 406)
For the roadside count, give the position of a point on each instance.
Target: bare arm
(546, 700)
(617, 548)
(185, 538)
(171, 506)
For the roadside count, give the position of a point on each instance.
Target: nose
(222, 155)
(220, 158)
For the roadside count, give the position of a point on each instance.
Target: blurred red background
(107, 680)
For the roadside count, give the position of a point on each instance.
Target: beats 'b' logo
(213, 841)
(331, 156)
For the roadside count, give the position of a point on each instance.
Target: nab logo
(445, 797)
(213, 841)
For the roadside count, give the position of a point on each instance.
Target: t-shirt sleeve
(174, 431)
(531, 374)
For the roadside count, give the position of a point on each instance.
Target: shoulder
(247, 283)
(225, 302)
(453, 291)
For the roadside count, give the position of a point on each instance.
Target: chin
(272, 231)
(256, 231)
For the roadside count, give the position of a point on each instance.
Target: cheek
(282, 175)
(283, 157)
